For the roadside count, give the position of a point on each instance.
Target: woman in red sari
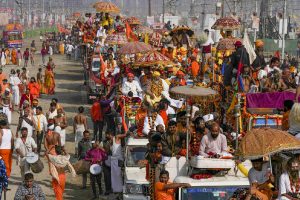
(49, 81)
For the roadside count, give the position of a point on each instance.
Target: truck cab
(135, 183)
(222, 186)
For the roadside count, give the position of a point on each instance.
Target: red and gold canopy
(134, 48)
(106, 7)
(153, 58)
(132, 21)
(116, 39)
(226, 23)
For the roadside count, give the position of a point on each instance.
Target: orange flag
(129, 33)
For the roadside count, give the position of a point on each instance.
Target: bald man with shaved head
(214, 143)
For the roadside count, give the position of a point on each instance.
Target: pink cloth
(268, 100)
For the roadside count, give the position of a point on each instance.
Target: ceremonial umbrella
(226, 23)
(143, 29)
(132, 21)
(195, 93)
(227, 44)
(153, 58)
(263, 142)
(135, 47)
(182, 29)
(106, 7)
(116, 39)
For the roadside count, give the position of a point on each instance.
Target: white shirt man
(15, 81)
(41, 127)
(259, 176)
(69, 48)
(132, 85)
(24, 145)
(214, 143)
(41, 122)
(158, 121)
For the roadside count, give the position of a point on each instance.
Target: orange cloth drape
(6, 155)
(195, 68)
(59, 187)
(164, 116)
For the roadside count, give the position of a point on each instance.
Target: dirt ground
(71, 94)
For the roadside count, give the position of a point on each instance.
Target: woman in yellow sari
(49, 83)
(14, 56)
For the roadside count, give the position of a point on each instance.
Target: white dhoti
(116, 175)
(16, 95)
(78, 134)
(3, 61)
(62, 133)
(24, 166)
(7, 112)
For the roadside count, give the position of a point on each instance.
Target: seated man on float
(213, 144)
(156, 88)
(152, 120)
(171, 141)
(132, 86)
(179, 80)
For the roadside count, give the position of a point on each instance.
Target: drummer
(24, 145)
(96, 155)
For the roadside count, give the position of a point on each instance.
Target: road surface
(71, 94)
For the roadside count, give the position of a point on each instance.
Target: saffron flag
(129, 33)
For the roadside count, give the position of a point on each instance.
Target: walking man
(24, 146)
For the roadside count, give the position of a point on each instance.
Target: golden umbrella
(266, 141)
(106, 7)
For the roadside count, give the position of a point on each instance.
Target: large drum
(95, 169)
(35, 163)
(82, 167)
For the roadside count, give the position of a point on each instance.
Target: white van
(135, 183)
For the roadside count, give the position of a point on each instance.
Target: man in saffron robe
(49, 81)
(2, 75)
(34, 88)
(194, 67)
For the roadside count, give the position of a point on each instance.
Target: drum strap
(25, 146)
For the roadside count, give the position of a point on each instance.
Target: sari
(14, 56)
(49, 82)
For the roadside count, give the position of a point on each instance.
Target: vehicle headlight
(134, 189)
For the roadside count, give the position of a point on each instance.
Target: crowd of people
(136, 102)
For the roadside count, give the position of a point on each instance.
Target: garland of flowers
(154, 116)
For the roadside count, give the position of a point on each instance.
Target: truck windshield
(135, 156)
(214, 193)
